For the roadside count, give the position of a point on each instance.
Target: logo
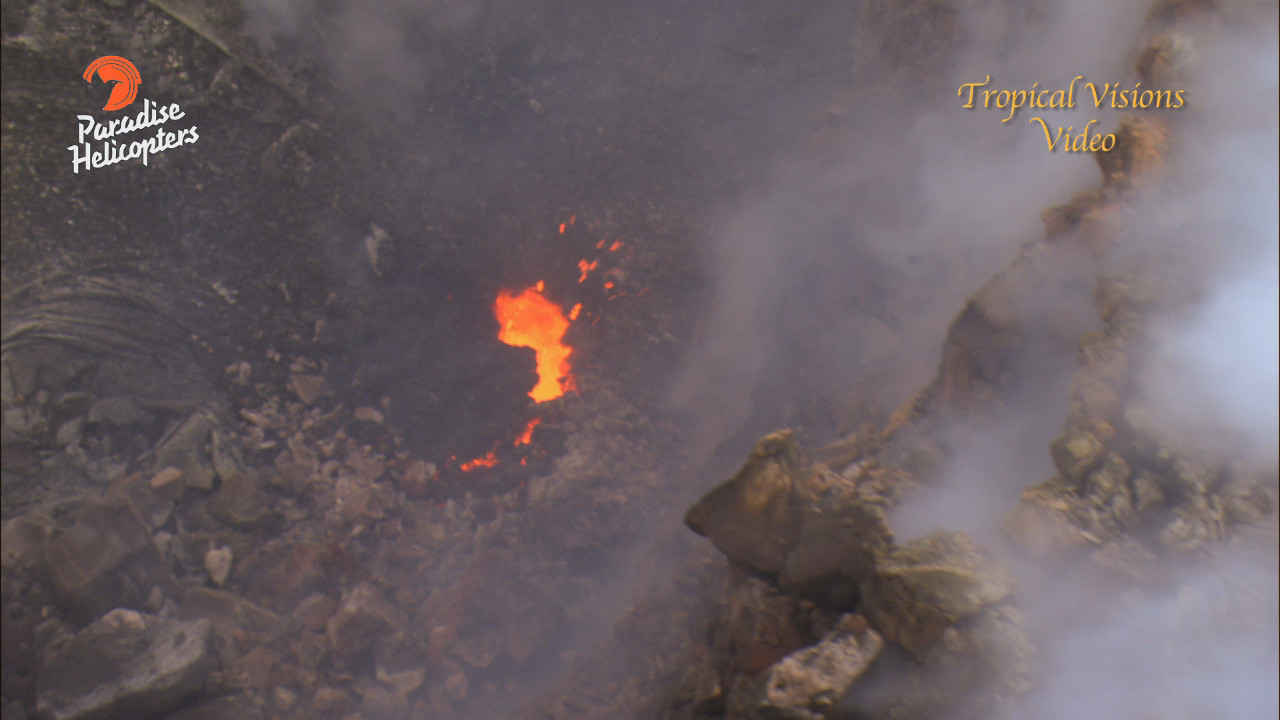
(111, 147)
(113, 68)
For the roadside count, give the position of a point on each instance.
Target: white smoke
(967, 192)
(1204, 645)
(1213, 375)
(1203, 651)
(385, 51)
(939, 198)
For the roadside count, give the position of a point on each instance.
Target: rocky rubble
(826, 547)
(328, 572)
(325, 577)
(824, 541)
(1126, 493)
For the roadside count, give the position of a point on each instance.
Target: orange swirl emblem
(113, 68)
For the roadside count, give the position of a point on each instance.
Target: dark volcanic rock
(237, 707)
(383, 703)
(152, 505)
(761, 626)
(25, 539)
(185, 449)
(492, 613)
(280, 574)
(104, 560)
(125, 665)
(235, 620)
(240, 504)
(363, 616)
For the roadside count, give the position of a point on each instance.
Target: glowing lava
(487, 461)
(530, 320)
(527, 436)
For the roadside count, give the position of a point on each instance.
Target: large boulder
(125, 665)
(106, 559)
(754, 516)
(791, 520)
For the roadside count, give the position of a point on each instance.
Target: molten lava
(487, 461)
(530, 320)
(526, 437)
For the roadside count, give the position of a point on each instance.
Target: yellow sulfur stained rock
(754, 517)
(930, 584)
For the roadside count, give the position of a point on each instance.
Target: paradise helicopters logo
(109, 135)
